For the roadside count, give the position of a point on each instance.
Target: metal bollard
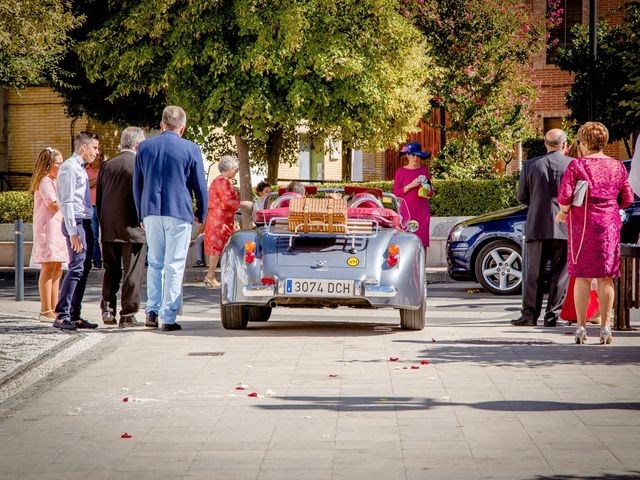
(19, 275)
(524, 258)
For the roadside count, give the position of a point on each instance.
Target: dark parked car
(488, 248)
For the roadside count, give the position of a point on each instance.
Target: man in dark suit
(123, 239)
(168, 175)
(546, 239)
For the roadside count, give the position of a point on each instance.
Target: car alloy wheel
(498, 267)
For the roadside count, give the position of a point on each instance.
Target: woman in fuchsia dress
(409, 184)
(594, 227)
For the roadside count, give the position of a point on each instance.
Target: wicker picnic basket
(320, 215)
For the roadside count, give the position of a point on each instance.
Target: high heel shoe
(211, 283)
(45, 318)
(581, 335)
(605, 336)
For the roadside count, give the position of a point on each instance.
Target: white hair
(227, 163)
(173, 117)
(131, 137)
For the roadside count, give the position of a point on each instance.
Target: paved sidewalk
(469, 397)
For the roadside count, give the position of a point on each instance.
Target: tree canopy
(484, 49)
(615, 77)
(33, 35)
(258, 68)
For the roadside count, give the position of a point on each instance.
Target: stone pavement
(469, 397)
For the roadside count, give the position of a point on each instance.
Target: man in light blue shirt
(75, 205)
(168, 176)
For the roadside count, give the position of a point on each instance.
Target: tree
(483, 48)
(92, 98)
(33, 35)
(614, 77)
(258, 68)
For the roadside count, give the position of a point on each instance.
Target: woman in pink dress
(218, 227)
(594, 227)
(408, 184)
(49, 245)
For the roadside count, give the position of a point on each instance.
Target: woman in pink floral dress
(49, 245)
(218, 227)
(594, 227)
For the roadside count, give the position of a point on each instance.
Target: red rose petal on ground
(424, 362)
(568, 333)
(253, 394)
(125, 435)
(331, 375)
(125, 399)
(405, 368)
(240, 388)
(393, 359)
(414, 367)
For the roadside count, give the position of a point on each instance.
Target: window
(571, 15)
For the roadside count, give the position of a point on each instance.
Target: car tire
(498, 267)
(233, 317)
(414, 319)
(258, 313)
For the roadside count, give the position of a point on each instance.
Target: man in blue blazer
(168, 173)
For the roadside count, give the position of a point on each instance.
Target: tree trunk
(346, 161)
(245, 179)
(274, 147)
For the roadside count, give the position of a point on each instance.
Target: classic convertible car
(367, 261)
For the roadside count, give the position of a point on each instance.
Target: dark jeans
(75, 281)
(122, 261)
(95, 229)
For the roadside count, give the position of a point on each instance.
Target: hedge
(453, 198)
(15, 205)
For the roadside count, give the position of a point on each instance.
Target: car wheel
(233, 317)
(498, 267)
(258, 314)
(414, 319)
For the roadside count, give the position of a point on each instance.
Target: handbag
(579, 197)
(579, 193)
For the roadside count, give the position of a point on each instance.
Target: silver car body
(322, 270)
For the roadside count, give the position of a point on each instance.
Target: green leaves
(33, 36)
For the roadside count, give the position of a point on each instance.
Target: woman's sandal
(211, 283)
(45, 318)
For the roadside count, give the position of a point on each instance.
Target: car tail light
(267, 280)
(393, 255)
(250, 246)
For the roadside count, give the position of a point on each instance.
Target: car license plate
(318, 288)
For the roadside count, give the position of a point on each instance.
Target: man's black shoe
(152, 320)
(82, 323)
(129, 321)
(64, 325)
(171, 327)
(523, 322)
(108, 318)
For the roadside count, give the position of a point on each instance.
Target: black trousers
(122, 261)
(539, 252)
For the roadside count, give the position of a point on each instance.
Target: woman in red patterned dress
(218, 227)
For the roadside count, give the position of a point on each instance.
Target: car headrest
(365, 200)
(284, 199)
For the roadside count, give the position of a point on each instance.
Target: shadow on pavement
(372, 404)
(605, 476)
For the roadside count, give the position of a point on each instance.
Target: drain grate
(505, 341)
(205, 354)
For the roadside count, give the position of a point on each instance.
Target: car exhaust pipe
(272, 303)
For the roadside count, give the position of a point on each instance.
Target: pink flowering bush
(484, 49)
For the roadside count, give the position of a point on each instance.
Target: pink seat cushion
(264, 216)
